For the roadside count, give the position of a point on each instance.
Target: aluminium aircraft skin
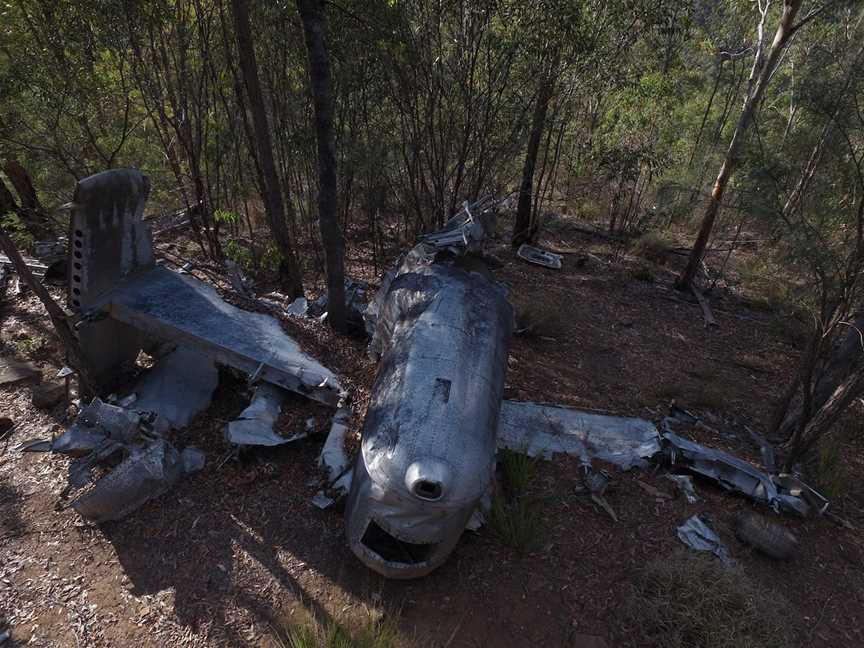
(428, 444)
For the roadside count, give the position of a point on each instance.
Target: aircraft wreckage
(440, 328)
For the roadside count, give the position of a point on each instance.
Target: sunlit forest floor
(238, 555)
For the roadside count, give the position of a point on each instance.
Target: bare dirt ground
(237, 553)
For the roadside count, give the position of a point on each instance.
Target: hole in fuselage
(393, 549)
(427, 490)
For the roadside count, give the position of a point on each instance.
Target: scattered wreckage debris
(12, 371)
(765, 536)
(595, 483)
(123, 299)
(696, 534)
(546, 430)
(125, 303)
(539, 256)
(255, 426)
(335, 462)
(685, 485)
(783, 493)
(149, 464)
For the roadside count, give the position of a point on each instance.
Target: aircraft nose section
(428, 479)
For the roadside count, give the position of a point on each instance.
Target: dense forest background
(706, 117)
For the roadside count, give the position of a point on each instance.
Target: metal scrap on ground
(335, 461)
(123, 302)
(12, 371)
(539, 256)
(254, 425)
(783, 493)
(697, 535)
(545, 430)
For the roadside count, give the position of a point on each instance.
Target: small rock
(47, 395)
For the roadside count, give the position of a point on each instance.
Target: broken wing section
(545, 430)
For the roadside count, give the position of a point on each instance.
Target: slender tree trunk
(289, 271)
(763, 69)
(314, 17)
(62, 325)
(524, 228)
(32, 216)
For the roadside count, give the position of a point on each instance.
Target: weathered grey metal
(545, 430)
(170, 306)
(335, 461)
(255, 424)
(112, 273)
(697, 535)
(428, 444)
(180, 386)
(108, 241)
(783, 493)
(146, 473)
(539, 256)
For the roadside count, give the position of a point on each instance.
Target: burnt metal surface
(428, 442)
(546, 430)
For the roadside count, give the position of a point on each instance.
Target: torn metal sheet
(333, 457)
(12, 371)
(255, 424)
(545, 430)
(97, 423)
(178, 387)
(335, 461)
(700, 537)
(142, 476)
(428, 442)
(192, 459)
(735, 474)
(539, 256)
(466, 229)
(298, 308)
(685, 485)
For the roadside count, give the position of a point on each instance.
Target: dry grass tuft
(538, 318)
(516, 518)
(652, 246)
(378, 630)
(686, 600)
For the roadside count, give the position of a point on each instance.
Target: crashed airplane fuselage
(428, 445)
